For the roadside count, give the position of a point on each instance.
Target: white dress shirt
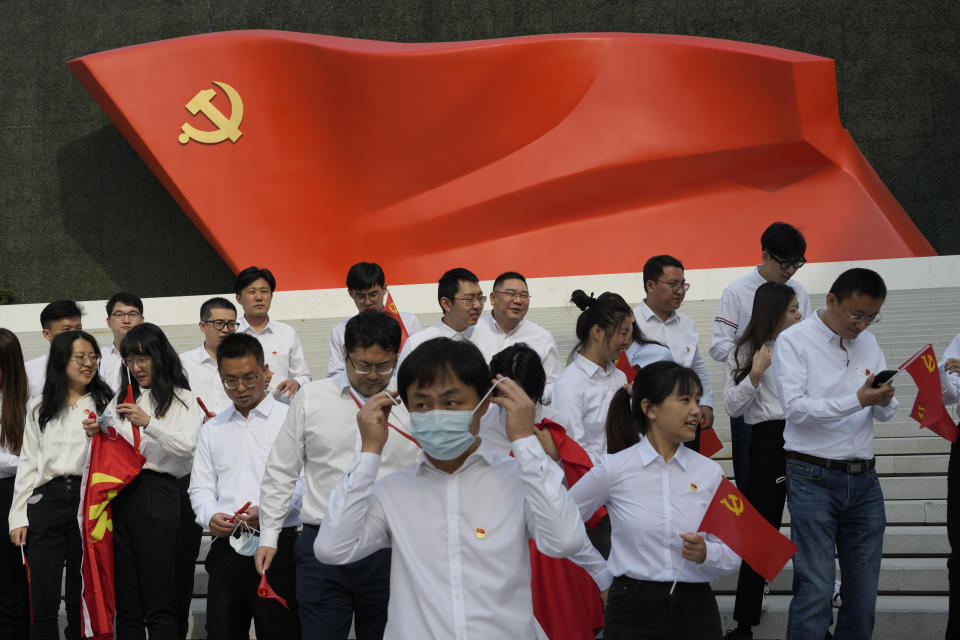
(204, 379)
(335, 361)
(680, 335)
(493, 426)
(951, 381)
(281, 350)
(8, 459)
(491, 340)
(36, 374)
(640, 355)
(817, 377)
(110, 363)
(439, 330)
(168, 441)
(231, 456)
(756, 404)
(59, 450)
(461, 562)
(651, 502)
(736, 307)
(582, 394)
(320, 437)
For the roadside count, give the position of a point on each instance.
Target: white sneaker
(836, 595)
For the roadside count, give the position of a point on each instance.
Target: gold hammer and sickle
(98, 512)
(929, 362)
(226, 127)
(735, 505)
(920, 412)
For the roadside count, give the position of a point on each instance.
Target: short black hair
(783, 241)
(58, 310)
(509, 275)
(449, 283)
(365, 275)
(371, 328)
(215, 303)
(240, 345)
(859, 280)
(654, 267)
(124, 297)
(521, 364)
(436, 358)
(248, 275)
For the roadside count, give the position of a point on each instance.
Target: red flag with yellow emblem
(928, 408)
(623, 363)
(390, 308)
(112, 463)
(741, 527)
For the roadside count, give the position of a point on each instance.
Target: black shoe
(740, 633)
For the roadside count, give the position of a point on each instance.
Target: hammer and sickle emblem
(226, 127)
(98, 512)
(735, 505)
(929, 362)
(920, 412)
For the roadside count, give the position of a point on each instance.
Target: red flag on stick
(266, 591)
(928, 408)
(741, 527)
(390, 309)
(709, 442)
(623, 363)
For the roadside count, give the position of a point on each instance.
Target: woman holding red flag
(656, 492)
(47, 487)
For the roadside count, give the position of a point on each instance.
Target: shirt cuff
(527, 446)
(269, 537)
(366, 463)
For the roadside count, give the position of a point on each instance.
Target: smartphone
(884, 376)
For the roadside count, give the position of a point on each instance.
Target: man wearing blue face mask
(460, 517)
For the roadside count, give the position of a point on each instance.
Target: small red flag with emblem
(266, 591)
(624, 365)
(741, 527)
(928, 408)
(390, 308)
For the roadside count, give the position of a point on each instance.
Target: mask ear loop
(396, 401)
(487, 394)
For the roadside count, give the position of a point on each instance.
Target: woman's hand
(694, 547)
(133, 413)
(91, 426)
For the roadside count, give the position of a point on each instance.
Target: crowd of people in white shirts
(423, 490)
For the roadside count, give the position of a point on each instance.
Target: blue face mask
(445, 434)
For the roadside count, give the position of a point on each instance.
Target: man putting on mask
(458, 519)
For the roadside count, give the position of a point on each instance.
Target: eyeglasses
(82, 359)
(511, 293)
(247, 381)
(364, 368)
(132, 315)
(220, 324)
(140, 361)
(472, 300)
(677, 285)
(866, 320)
(372, 296)
(787, 264)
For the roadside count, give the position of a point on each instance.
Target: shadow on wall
(120, 214)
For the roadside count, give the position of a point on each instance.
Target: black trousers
(232, 598)
(14, 598)
(768, 463)
(953, 535)
(188, 548)
(643, 609)
(53, 540)
(600, 536)
(146, 518)
(695, 443)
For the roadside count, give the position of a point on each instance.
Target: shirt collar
(591, 368)
(110, 349)
(482, 454)
(264, 409)
(496, 327)
(244, 325)
(648, 454)
(648, 313)
(822, 329)
(205, 355)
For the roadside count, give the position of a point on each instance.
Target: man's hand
(263, 558)
(19, 536)
(251, 516)
(546, 441)
(220, 525)
(952, 365)
(289, 387)
(868, 396)
(520, 409)
(267, 376)
(706, 417)
(694, 547)
(372, 420)
(762, 358)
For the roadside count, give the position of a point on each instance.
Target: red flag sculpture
(928, 408)
(741, 527)
(390, 308)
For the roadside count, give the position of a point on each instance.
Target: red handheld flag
(204, 407)
(266, 591)
(928, 408)
(390, 309)
(741, 527)
(624, 365)
(709, 442)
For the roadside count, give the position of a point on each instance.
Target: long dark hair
(770, 303)
(521, 364)
(606, 311)
(166, 373)
(13, 388)
(626, 421)
(54, 396)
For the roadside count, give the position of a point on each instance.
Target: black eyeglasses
(787, 264)
(364, 368)
(133, 315)
(220, 324)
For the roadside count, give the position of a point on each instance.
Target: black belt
(853, 467)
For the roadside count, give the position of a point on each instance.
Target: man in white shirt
(367, 287)
(281, 344)
(824, 368)
(56, 318)
(658, 320)
(507, 325)
(320, 437)
(124, 311)
(228, 467)
(782, 249)
(461, 299)
(218, 319)
(950, 381)
(459, 518)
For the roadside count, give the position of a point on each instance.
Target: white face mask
(247, 544)
(445, 434)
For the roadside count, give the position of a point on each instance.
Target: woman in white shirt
(146, 514)
(750, 391)
(656, 492)
(47, 489)
(14, 603)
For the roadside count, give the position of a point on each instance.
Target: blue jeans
(829, 510)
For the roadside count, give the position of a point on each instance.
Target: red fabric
(624, 365)
(26, 568)
(928, 408)
(128, 399)
(709, 442)
(204, 407)
(566, 601)
(266, 591)
(111, 464)
(734, 520)
(390, 309)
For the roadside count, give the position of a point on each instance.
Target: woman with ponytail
(46, 495)
(656, 492)
(750, 391)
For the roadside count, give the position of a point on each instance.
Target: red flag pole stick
(204, 407)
